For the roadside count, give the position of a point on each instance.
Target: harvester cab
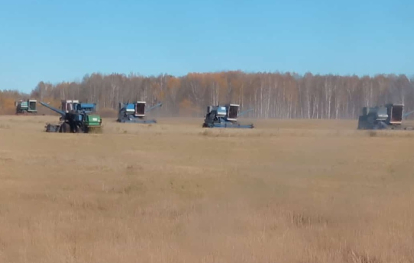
(388, 116)
(27, 106)
(81, 119)
(395, 113)
(68, 105)
(140, 109)
(135, 112)
(224, 117)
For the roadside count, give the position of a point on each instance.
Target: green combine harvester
(26, 106)
(80, 119)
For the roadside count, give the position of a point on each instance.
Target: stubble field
(286, 191)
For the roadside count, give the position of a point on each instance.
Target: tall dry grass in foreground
(288, 191)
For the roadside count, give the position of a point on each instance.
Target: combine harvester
(27, 106)
(225, 117)
(387, 117)
(135, 112)
(79, 118)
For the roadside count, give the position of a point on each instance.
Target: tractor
(388, 117)
(81, 118)
(27, 106)
(224, 117)
(135, 112)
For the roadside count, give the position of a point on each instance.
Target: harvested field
(286, 191)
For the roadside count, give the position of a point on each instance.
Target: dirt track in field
(286, 191)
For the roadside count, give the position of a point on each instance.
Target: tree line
(270, 95)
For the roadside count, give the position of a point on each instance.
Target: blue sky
(53, 41)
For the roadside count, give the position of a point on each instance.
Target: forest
(271, 95)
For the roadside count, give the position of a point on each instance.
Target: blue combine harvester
(387, 117)
(225, 117)
(135, 112)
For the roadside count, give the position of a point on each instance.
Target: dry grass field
(287, 191)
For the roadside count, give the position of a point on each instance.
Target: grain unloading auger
(80, 119)
(389, 117)
(135, 112)
(225, 117)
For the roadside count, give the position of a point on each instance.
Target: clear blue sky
(57, 41)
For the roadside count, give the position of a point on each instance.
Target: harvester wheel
(64, 128)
